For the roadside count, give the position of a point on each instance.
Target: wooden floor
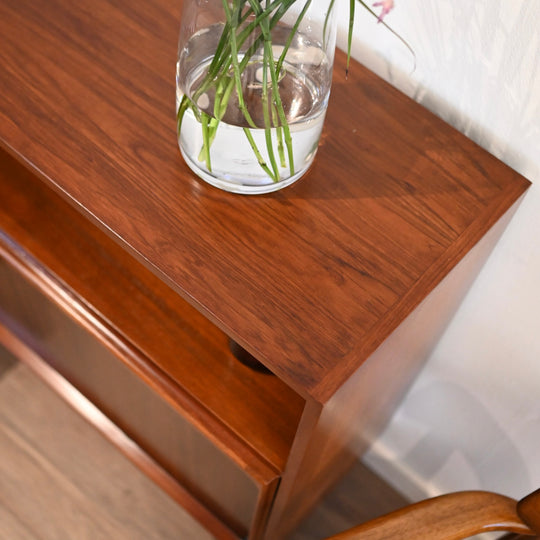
(61, 480)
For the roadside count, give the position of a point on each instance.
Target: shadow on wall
(459, 441)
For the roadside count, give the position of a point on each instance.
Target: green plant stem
(265, 29)
(389, 28)
(328, 13)
(205, 118)
(281, 112)
(279, 136)
(182, 108)
(232, 19)
(258, 155)
(221, 61)
(266, 115)
(352, 5)
(292, 33)
(221, 100)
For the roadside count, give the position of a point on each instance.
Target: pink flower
(387, 6)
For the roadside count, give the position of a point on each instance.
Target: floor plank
(46, 501)
(62, 479)
(13, 529)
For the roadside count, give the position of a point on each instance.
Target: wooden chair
(453, 517)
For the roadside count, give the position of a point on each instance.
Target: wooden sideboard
(122, 276)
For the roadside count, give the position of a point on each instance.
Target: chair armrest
(448, 517)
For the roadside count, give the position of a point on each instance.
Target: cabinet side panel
(358, 412)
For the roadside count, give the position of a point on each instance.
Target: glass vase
(252, 86)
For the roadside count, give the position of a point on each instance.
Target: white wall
(472, 419)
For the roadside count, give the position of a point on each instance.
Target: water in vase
(253, 152)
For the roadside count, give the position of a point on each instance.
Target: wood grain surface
(359, 411)
(311, 279)
(175, 350)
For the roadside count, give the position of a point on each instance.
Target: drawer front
(163, 432)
